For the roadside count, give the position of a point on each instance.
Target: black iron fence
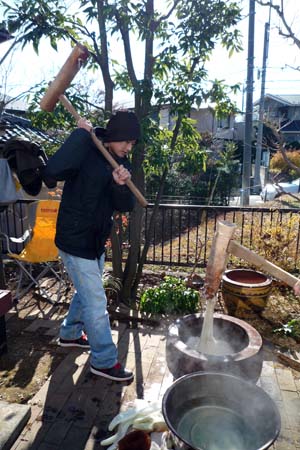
(14, 221)
(183, 234)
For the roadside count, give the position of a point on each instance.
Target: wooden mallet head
(217, 260)
(64, 78)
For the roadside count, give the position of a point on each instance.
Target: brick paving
(73, 408)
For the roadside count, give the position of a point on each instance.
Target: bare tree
(286, 30)
(276, 142)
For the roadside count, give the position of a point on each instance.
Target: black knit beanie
(122, 126)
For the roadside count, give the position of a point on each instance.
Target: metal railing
(14, 221)
(183, 234)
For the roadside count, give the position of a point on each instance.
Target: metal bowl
(217, 411)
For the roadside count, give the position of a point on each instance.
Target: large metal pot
(217, 411)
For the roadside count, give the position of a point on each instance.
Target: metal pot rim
(222, 375)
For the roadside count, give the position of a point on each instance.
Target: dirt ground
(29, 361)
(33, 354)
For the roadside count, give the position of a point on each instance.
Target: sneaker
(116, 373)
(82, 342)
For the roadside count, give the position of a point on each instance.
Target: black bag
(28, 160)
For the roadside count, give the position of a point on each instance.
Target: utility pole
(249, 110)
(257, 181)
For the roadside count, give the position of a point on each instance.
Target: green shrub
(292, 328)
(172, 296)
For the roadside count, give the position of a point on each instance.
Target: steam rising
(206, 343)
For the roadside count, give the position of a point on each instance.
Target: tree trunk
(116, 252)
(149, 233)
(135, 227)
(103, 57)
(138, 275)
(211, 195)
(134, 253)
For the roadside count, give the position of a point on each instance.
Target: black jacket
(90, 196)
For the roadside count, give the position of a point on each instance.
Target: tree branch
(166, 16)
(294, 68)
(280, 146)
(280, 11)
(127, 48)
(287, 161)
(17, 41)
(149, 60)
(103, 56)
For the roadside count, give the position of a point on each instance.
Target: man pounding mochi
(92, 192)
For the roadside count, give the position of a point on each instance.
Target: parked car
(271, 191)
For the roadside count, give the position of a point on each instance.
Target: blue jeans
(87, 310)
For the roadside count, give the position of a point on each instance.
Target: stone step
(13, 418)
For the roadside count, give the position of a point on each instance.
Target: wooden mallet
(55, 93)
(223, 245)
(218, 257)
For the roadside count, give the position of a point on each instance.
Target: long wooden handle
(139, 196)
(261, 263)
(69, 107)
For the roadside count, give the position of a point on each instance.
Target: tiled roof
(11, 104)
(285, 99)
(290, 99)
(12, 126)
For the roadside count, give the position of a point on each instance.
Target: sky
(280, 77)
(25, 68)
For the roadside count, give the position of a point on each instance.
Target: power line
(283, 81)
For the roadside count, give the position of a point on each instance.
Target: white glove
(142, 416)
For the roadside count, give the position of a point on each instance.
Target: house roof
(292, 126)
(12, 126)
(285, 99)
(11, 104)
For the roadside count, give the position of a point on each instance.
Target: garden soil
(30, 359)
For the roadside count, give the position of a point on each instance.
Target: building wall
(205, 120)
(164, 119)
(277, 111)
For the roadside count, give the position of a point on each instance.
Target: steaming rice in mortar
(206, 343)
